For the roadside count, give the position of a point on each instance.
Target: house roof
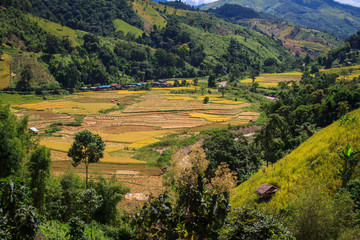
(266, 188)
(34, 130)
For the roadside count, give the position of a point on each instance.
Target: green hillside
(328, 15)
(314, 164)
(120, 25)
(58, 30)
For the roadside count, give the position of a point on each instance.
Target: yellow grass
(210, 117)
(314, 164)
(5, 71)
(249, 80)
(120, 160)
(143, 143)
(45, 105)
(177, 88)
(224, 101)
(185, 98)
(55, 144)
(67, 107)
(131, 92)
(132, 137)
(272, 79)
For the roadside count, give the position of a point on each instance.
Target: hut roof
(266, 188)
(34, 130)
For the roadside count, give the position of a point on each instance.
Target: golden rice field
(132, 137)
(5, 71)
(210, 117)
(142, 143)
(272, 80)
(57, 145)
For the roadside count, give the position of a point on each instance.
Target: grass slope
(58, 30)
(153, 13)
(120, 25)
(5, 71)
(314, 164)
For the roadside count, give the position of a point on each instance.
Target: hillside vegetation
(314, 164)
(327, 15)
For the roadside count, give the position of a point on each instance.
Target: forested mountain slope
(328, 15)
(295, 38)
(187, 44)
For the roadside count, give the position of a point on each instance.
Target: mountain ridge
(325, 15)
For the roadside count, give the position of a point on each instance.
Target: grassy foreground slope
(313, 165)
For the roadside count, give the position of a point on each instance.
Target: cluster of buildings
(127, 86)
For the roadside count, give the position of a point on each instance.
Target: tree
(15, 141)
(89, 202)
(87, 148)
(18, 219)
(249, 224)
(195, 82)
(200, 209)
(26, 76)
(112, 192)
(211, 80)
(206, 100)
(350, 161)
(233, 149)
(253, 74)
(271, 138)
(39, 169)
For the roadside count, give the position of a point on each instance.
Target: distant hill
(313, 165)
(342, 20)
(296, 39)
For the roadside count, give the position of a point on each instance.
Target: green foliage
(14, 142)
(319, 217)
(233, 149)
(112, 192)
(250, 224)
(39, 169)
(350, 161)
(77, 228)
(199, 209)
(117, 108)
(18, 219)
(206, 100)
(317, 14)
(87, 148)
(54, 127)
(353, 187)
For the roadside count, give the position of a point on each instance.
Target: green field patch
(120, 25)
(58, 30)
(5, 71)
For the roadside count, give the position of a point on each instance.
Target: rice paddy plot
(210, 117)
(132, 137)
(272, 80)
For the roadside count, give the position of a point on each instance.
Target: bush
(206, 100)
(248, 224)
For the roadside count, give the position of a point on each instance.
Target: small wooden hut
(266, 190)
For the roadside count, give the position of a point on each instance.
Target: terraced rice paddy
(147, 116)
(273, 79)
